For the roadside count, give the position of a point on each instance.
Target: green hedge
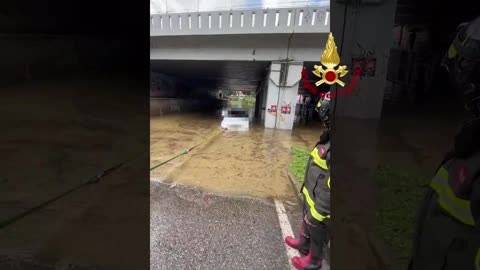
(299, 162)
(249, 101)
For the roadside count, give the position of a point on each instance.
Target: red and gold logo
(330, 72)
(330, 59)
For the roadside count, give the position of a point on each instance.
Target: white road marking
(286, 230)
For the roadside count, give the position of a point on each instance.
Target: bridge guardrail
(258, 21)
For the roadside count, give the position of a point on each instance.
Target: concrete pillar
(366, 99)
(263, 97)
(282, 91)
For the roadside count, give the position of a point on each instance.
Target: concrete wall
(163, 106)
(165, 86)
(253, 47)
(365, 101)
(169, 94)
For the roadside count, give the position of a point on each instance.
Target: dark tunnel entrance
(205, 86)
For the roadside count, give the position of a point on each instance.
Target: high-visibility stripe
(477, 260)
(441, 181)
(456, 207)
(322, 163)
(452, 52)
(311, 205)
(328, 182)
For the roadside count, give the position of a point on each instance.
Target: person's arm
(309, 162)
(321, 196)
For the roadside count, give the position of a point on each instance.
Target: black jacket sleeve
(475, 202)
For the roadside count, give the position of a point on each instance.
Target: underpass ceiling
(234, 75)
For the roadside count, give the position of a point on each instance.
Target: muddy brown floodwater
(249, 164)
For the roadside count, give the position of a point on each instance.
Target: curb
(296, 184)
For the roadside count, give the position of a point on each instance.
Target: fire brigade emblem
(330, 59)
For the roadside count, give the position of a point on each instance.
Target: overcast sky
(173, 6)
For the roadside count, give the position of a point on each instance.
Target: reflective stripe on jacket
(317, 183)
(456, 207)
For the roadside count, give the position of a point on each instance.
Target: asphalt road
(192, 229)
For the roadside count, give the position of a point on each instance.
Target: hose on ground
(186, 151)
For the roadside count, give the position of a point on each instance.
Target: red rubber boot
(301, 244)
(306, 263)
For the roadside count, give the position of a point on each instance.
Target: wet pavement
(193, 229)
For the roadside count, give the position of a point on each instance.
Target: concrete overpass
(248, 35)
(264, 49)
(260, 49)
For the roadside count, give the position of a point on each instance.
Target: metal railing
(284, 20)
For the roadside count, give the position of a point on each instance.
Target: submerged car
(236, 119)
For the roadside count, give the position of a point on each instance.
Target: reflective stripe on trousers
(322, 163)
(456, 207)
(311, 205)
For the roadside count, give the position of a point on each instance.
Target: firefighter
(316, 192)
(447, 232)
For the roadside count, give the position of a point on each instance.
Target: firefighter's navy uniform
(316, 192)
(314, 233)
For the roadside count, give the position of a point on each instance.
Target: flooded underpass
(251, 163)
(218, 177)
(216, 207)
